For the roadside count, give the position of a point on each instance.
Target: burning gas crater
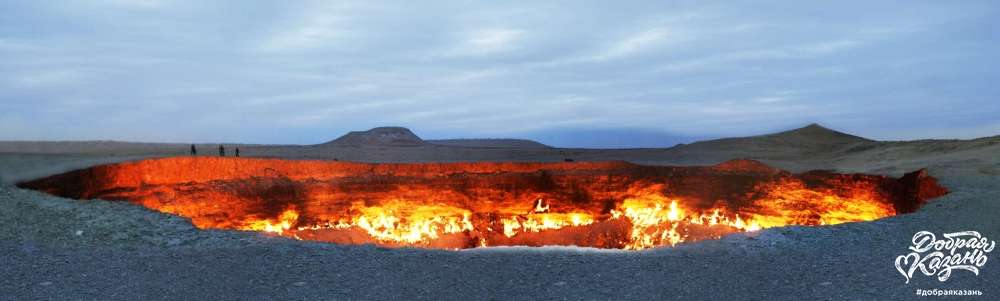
(466, 205)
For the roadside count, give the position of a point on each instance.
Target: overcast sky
(568, 73)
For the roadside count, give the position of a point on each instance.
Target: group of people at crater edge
(222, 151)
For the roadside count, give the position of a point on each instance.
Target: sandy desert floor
(56, 248)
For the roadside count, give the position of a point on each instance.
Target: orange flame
(464, 205)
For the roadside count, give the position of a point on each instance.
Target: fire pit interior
(465, 205)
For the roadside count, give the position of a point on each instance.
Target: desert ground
(57, 248)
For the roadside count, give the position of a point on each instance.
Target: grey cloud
(274, 72)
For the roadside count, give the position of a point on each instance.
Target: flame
(285, 221)
(463, 205)
(539, 208)
(400, 222)
(655, 219)
(543, 221)
(658, 220)
(791, 203)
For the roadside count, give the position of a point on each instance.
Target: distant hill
(812, 137)
(492, 143)
(380, 136)
(796, 150)
(401, 136)
(815, 133)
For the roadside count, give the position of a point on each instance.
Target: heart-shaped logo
(905, 260)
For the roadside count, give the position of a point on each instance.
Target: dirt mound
(380, 136)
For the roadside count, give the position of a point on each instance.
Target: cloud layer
(305, 73)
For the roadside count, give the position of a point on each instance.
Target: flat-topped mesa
(463, 205)
(380, 136)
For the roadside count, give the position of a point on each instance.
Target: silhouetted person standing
(237, 151)
(222, 151)
(194, 152)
